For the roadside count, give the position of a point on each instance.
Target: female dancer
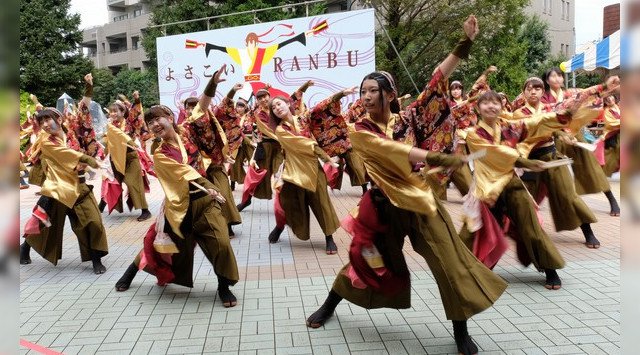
(588, 175)
(611, 135)
(304, 181)
(125, 160)
(401, 204)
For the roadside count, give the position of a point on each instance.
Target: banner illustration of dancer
(253, 57)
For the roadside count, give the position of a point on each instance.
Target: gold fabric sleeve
(174, 178)
(494, 171)
(300, 159)
(387, 164)
(37, 144)
(264, 129)
(117, 145)
(320, 153)
(538, 128)
(507, 116)
(582, 117)
(62, 178)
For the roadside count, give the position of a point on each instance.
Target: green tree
(51, 62)
(103, 91)
(424, 32)
(169, 11)
(25, 105)
(534, 35)
(127, 81)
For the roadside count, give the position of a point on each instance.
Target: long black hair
(547, 74)
(386, 84)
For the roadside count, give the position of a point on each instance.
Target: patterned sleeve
(225, 113)
(355, 112)
(429, 117)
(135, 127)
(194, 158)
(86, 133)
(329, 128)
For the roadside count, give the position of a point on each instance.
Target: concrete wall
(105, 37)
(561, 23)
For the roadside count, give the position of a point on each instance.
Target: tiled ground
(69, 309)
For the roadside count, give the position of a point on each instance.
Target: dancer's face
(490, 109)
(456, 93)
(280, 108)
(532, 94)
(373, 98)
(609, 100)
(114, 113)
(241, 107)
(188, 110)
(161, 127)
(51, 125)
(555, 81)
(263, 101)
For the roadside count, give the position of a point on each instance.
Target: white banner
(334, 50)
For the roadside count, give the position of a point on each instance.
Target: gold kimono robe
(501, 189)
(126, 165)
(205, 131)
(36, 174)
(408, 207)
(567, 208)
(194, 217)
(304, 181)
(69, 198)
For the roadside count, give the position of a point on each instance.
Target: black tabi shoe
(125, 281)
(25, 249)
(146, 214)
(274, 236)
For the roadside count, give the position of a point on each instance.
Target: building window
(563, 9)
(137, 12)
(544, 6)
(566, 49)
(121, 17)
(568, 18)
(550, 8)
(562, 48)
(134, 42)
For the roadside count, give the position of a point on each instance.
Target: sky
(92, 12)
(589, 19)
(588, 15)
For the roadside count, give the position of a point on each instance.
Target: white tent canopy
(617, 49)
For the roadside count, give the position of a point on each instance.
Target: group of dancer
(504, 157)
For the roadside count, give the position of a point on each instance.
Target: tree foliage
(51, 62)
(534, 35)
(107, 87)
(425, 31)
(25, 105)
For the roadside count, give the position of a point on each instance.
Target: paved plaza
(70, 310)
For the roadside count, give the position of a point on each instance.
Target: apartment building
(117, 44)
(560, 16)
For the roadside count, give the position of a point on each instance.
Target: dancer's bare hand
(470, 27)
